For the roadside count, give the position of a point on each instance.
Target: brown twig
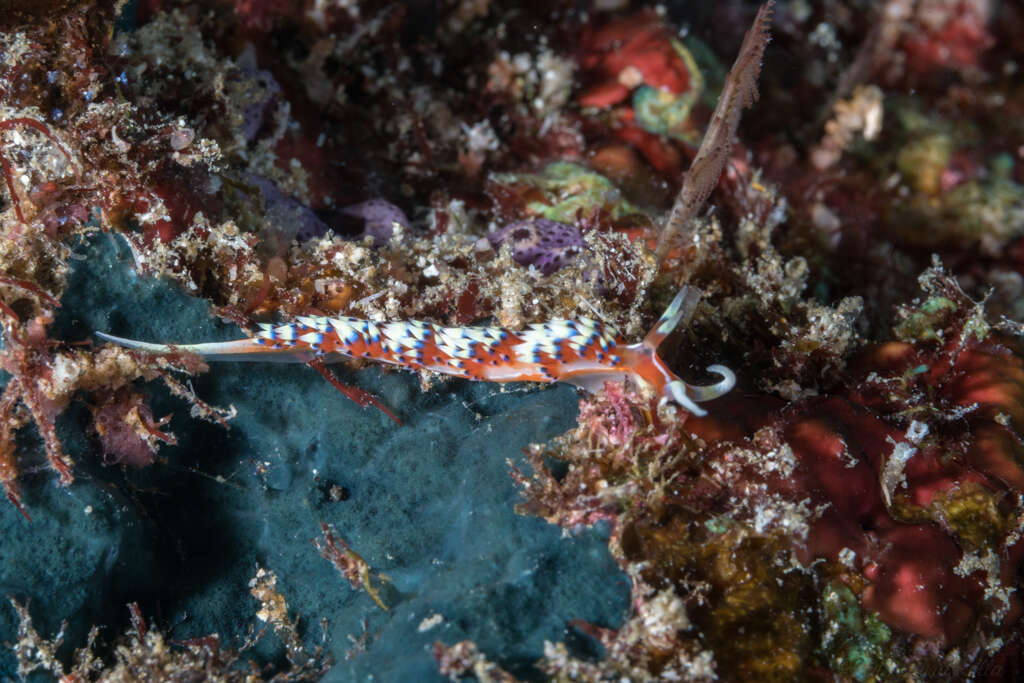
(8, 169)
(739, 92)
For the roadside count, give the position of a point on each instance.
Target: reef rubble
(181, 171)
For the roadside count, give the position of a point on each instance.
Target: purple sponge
(540, 242)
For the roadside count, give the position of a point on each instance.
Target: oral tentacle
(712, 391)
(679, 390)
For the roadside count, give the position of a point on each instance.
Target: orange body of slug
(583, 352)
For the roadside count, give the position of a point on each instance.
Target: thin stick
(739, 92)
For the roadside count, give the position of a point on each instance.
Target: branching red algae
(358, 396)
(349, 564)
(144, 653)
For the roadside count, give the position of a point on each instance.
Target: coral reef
(854, 509)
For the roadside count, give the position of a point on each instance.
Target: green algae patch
(854, 641)
(718, 525)
(946, 311)
(564, 190)
(662, 112)
(921, 324)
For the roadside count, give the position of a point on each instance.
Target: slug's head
(649, 367)
(672, 389)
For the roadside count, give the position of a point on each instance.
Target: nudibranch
(582, 352)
